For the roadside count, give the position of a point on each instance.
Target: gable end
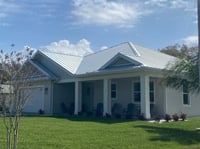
(120, 61)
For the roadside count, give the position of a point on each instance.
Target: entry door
(87, 96)
(36, 100)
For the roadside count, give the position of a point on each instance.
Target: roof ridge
(135, 51)
(106, 49)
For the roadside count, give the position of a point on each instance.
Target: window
(113, 90)
(186, 99)
(136, 92)
(151, 91)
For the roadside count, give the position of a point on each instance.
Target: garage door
(35, 101)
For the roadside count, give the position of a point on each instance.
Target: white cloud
(186, 5)
(64, 46)
(103, 48)
(173, 4)
(104, 12)
(120, 13)
(191, 40)
(179, 4)
(6, 8)
(159, 3)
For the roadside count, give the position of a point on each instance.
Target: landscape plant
(15, 90)
(183, 116)
(167, 117)
(175, 117)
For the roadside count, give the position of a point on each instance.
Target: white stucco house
(125, 73)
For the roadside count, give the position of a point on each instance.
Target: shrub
(157, 118)
(183, 116)
(175, 117)
(167, 117)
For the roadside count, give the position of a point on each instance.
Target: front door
(87, 96)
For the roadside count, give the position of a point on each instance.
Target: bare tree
(14, 91)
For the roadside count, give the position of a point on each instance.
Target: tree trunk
(16, 130)
(9, 139)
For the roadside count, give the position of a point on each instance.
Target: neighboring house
(125, 73)
(5, 92)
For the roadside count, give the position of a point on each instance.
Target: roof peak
(127, 42)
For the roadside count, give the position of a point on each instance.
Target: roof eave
(115, 71)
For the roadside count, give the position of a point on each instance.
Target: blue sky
(96, 24)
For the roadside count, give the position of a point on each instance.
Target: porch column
(106, 99)
(78, 97)
(145, 100)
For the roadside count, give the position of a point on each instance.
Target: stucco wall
(159, 105)
(175, 103)
(47, 94)
(124, 91)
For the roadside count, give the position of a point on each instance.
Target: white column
(106, 99)
(145, 100)
(80, 96)
(165, 94)
(77, 102)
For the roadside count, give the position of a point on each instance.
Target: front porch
(139, 95)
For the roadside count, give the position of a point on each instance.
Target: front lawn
(93, 133)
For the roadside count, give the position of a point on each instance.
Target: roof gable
(120, 61)
(59, 64)
(69, 62)
(94, 62)
(34, 71)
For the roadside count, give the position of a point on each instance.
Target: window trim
(133, 98)
(189, 98)
(152, 102)
(113, 90)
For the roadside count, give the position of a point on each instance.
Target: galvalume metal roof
(95, 61)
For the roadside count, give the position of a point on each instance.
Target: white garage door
(35, 101)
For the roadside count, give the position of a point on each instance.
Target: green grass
(93, 133)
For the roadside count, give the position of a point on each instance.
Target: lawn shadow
(94, 119)
(181, 136)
